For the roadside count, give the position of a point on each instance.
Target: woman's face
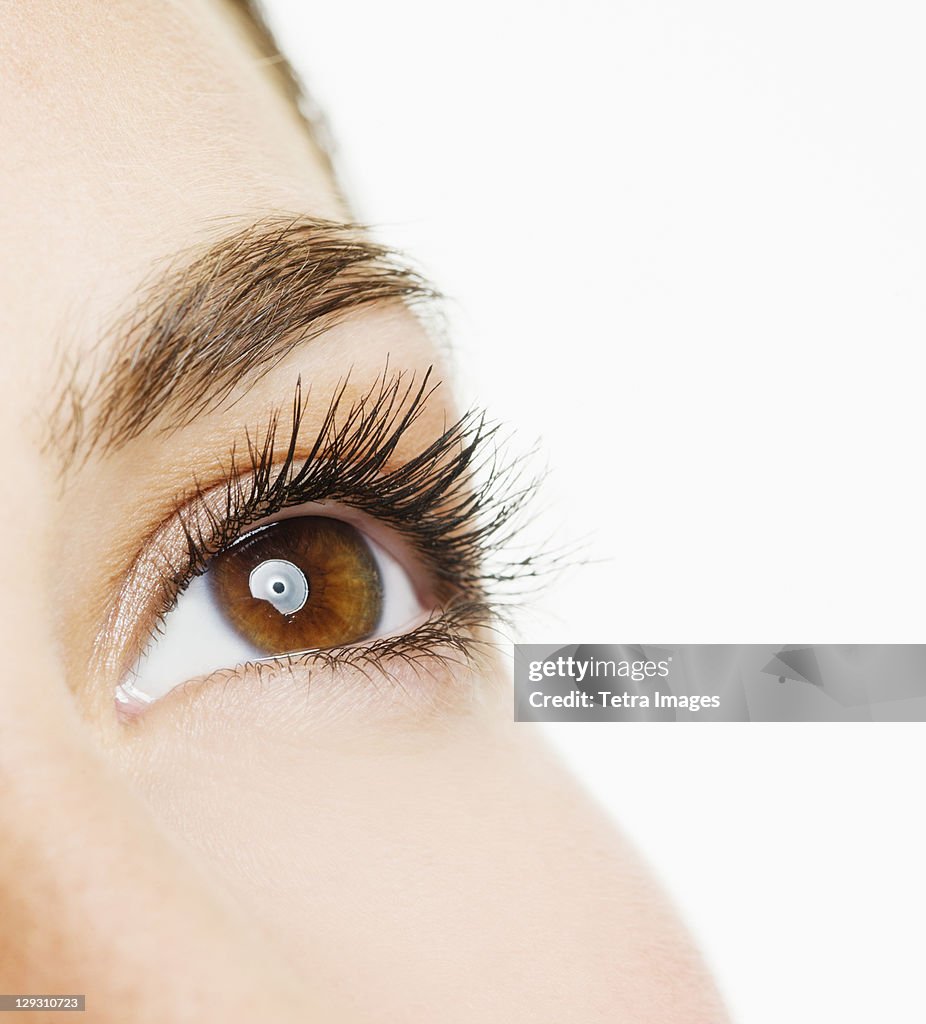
(365, 835)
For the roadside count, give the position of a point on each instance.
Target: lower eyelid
(388, 678)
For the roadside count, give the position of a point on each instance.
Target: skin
(343, 852)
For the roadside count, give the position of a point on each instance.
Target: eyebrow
(220, 317)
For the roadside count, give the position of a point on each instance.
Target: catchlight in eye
(281, 583)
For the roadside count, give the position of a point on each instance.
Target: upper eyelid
(206, 495)
(352, 459)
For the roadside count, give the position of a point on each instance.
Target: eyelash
(457, 501)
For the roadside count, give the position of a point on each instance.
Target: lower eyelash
(455, 630)
(450, 640)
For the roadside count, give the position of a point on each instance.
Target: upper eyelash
(456, 500)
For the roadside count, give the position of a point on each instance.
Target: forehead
(129, 132)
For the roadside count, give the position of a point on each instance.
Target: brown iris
(315, 580)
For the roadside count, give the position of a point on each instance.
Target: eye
(303, 583)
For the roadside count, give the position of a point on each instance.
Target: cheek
(421, 861)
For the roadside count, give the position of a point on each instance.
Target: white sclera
(281, 583)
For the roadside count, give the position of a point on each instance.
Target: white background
(685, 243)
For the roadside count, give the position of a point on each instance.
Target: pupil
(278, 587)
